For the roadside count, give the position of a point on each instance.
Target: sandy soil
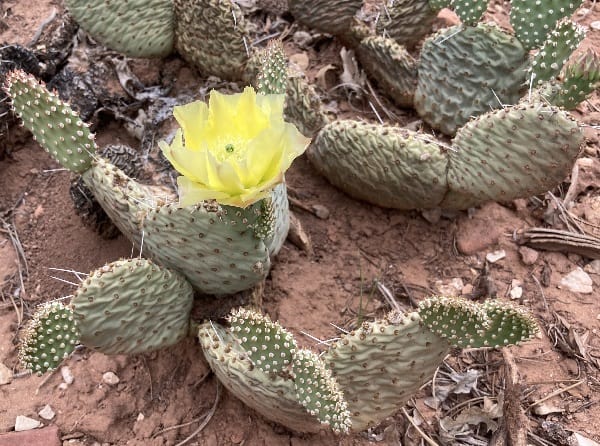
(356, 245)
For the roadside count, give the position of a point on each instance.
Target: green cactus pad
(382, 364)
(332, 16)
(303, 106)
(560, 44)
(273, 396)
(55, 126)
(532, 21)
(132, 306)
(214, 247)
(469, 11)
(459, 321)
(516, 152)
(269, 346)
(123, 199)
(406, 21)
(318, 391)
(579, 80)
(438, 5)
(48, 338)
(509, 325)
(466, 71)
(273, 222)
(273, 69)
(387, 166)
(394, 69)
(212, 36)
(137, 28)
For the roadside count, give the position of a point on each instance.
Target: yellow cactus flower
(233, 150)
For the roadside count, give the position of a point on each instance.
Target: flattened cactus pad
(132, 306)
(137, 28)
(48, 338)
(55, 126)
(406, 21)
(332, 16)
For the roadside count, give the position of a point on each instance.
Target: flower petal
(192, 118)
(192, 193)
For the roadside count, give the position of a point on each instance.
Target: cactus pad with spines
(405, 21)
(137, 28)
(55, 126)
(48, 338)
(466, 71)
(268, 345)
(394, 69)
(560, 44)
(534, 20)
(508, 325)
(303, 106)
(273, 396)
(579, 79)
(212, 36)
(381, 365)
(387, 166)
(132, 306)
(273, 222)
(273, 70)
(332, 16)
(318, 391)
(469, 11)
(519, 151)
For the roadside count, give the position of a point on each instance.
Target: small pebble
(516, 292)
(47, 413)
(23, 423)
(63, 386)
(494, 256)
(140, 417)
(528, 256)
(110, 378)
(451, 289)
(67, 376)
(302, 38)
(321, 211)
(592, 268)
(595, 25)
(577, 281)
(433, 216)
(5, 375)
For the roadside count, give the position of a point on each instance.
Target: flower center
(229, 148)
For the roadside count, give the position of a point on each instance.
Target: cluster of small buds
(49, 337)
(269, 346)
(318, 392)
(55, 126)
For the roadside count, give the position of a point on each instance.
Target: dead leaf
(352, 77)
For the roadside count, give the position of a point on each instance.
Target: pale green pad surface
(137, 28)
(533, 20)
(394, 69)
(210, 38)
(380, 365)
(387, 166)
(331, 16)
(214, 247)
(273, 396)
(48, 338)
(407, 21)
(55, 126)
(132, 306)
(516, 152)
(466, 72)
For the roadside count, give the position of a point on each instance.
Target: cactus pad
(557, 48)
(394, 69)
(469, 11)
(465, 72)
(137, 28)
(273, 69)
(579, 80)
(303, 106)
(509, 325)
(387, 166)
(132, 306)
(55, 126)
(319, 392)
(268, 345)
(382, 364)
(533, 20)
(516, 152)
(332, 16)
(212, 36)
(48, 338)
(273, 396)
(406, 21)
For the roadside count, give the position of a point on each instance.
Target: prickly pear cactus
(137, 28)
(56, 127)
(332, 16)
(132, 306)
(406, 21)
(579, 80)
(466, 71)
(48, 338)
